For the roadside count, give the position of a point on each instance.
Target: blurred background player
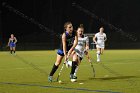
(81, 48)
(69, 42)
(12, 43)
(99, 40)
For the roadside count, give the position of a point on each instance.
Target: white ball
(106, 75)
(60, 81)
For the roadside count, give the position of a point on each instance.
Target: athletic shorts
(79, 53)
(12, 45)
(100, 46)
(60, 52)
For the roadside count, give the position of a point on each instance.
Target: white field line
(124, 63)
(20, 68)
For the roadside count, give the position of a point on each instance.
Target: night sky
(52, 14)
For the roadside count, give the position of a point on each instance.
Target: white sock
(98, 55)
(76, 71)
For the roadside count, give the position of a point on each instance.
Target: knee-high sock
(74, 65)
(98, 55)
(53, 70)
(76, 71)
(11, 51)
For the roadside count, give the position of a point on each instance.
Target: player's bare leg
(102, 50)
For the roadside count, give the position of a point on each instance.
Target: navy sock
(74, 65)
(11, 51)
(53, 70)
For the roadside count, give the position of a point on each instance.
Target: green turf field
(27, 72)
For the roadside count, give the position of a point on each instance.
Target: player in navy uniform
(12, 43)
(69, 41)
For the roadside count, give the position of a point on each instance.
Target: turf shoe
(50, 78)
(73, 78)
(98, 60)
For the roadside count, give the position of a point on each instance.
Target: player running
(81, 48)
(12, 43)
(69, 42)
(99, 40)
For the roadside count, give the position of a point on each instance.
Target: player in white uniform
(99, 40)
(81, 48)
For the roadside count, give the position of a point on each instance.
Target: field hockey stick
(60, 72)
(91, 64)
(6, 48)
(93, 70)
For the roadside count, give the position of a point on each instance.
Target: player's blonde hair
(81, 26)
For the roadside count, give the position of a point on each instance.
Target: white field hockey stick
(60, 71)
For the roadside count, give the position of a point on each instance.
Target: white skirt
(100, 45)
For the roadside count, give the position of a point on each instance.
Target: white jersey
(80, 48)
(100, 39)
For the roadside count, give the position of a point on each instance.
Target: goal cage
(90, 36)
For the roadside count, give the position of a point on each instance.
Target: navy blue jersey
(12, 40)
(69, 40)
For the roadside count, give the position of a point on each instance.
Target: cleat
(73, 78)
(50, 78)
(98, 60)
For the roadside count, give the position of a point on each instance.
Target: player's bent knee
(57, 63)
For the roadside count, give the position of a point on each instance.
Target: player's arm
(105, 39)
(87, 44)
(15, 40)
(74, 45)
(8, 42)
(64, 44)
(94, 39)
(87, 48)
(87, 55)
